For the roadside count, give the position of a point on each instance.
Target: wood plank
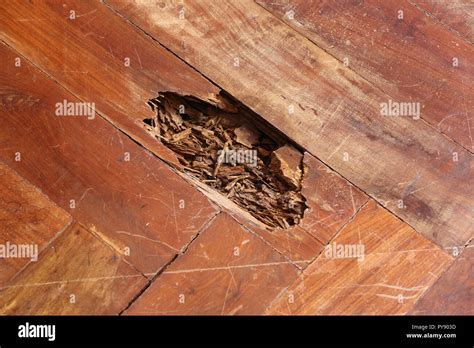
(410, 59)
(331, 200)
(27, 219)
(90, 45)
(77, 274)
(453, 293)
(118, 69)
(457, 15)
(223, 272)
(396, 267)
(113, 186)
(324, 106)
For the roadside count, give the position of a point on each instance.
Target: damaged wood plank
(223, 272)
(101, 59)
(76, 275)
(226, 151)
(113, 186)
(333, 113)
(372, 267)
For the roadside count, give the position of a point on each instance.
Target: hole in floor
(235, 152)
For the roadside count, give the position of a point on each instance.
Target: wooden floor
(119, 230)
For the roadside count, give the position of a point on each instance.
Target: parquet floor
(115, 228)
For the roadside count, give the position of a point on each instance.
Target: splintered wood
(226, 151)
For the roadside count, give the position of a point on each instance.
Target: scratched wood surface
(457, 15)
(136, 216)
(384, 279)
(90, 63)
(113, 186)
(453, 292)
(27, 217)
(418, 173)
(407, 55)
(226, 270)
(76, 274)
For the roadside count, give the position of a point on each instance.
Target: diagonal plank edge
(414, 171)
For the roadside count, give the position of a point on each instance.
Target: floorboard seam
(296, 142)
(365, 79)
(169, 263)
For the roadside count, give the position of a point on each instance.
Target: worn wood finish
(226, 270)
(77, 274)
(457, 15)
(27, 217)
(324, 106)
(453, 293)
(387, 280)
(89, 62)
(410, 59)
(101, 58)
(118, 189)
(331, 200)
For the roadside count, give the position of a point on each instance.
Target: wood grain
(385, 280)
(77, 274)
(27, 217)
(409, 58)
(226, 270)
(325, 107)
(113, 186)
(120, 93)
(457, 15)
(453, 293)
(118, 69)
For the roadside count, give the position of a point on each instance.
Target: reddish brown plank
(113, 186)
(418, 173)
(77, 274)
(78, 63)
(226, 270)
(409, 58)
(453, 293)
(27, 219)
(331, 200)
(396, 267)
(101, 58)
(457, 15)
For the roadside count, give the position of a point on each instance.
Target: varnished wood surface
(107, 210)
(325, 107)
(27, 218)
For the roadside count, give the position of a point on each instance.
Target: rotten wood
(115, 187)
(228, 153)
(417, 173)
